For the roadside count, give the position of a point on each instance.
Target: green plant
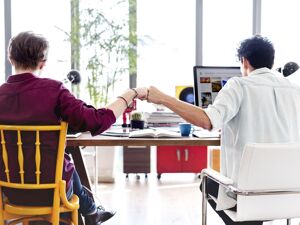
(106, 48)
(136, 116)
(108, 44)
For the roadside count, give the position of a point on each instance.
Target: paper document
(206, 134)
(117, 132)
(156, 133)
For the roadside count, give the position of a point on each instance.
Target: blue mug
(185, 129)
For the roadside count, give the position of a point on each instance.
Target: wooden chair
(268, 184)
(12, 213)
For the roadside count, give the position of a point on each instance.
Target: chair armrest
(219, 178)
(73, 203)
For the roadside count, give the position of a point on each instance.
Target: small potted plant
(136, 121)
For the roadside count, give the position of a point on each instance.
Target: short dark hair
(27, 49)
(258, 50)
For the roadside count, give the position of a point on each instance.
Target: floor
(174, 199)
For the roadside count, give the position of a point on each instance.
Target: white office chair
(268, 185)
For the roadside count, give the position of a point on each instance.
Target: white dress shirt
(261, 107)
(295, 77)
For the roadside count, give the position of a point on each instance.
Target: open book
(154, 133)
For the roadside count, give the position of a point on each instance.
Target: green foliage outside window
(106, 45)
(103, 46)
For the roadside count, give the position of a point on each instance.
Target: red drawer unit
(181, 159)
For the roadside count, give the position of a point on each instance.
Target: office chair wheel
(158, 176)
(138, 177)
(146, 175)
(127, 175)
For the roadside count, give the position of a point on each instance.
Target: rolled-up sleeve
(226, 104)
(214, 117)
(81, 116)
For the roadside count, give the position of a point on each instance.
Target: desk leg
(81, 170)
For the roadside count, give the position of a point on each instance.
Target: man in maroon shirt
(27, 99)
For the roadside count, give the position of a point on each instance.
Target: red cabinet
(181, 159)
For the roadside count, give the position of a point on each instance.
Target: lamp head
(74, 76)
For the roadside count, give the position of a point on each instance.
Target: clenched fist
(142, 92)
(155, 95)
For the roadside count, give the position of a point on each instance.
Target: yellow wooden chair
(11, 213)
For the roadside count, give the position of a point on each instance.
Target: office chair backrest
(269, 166)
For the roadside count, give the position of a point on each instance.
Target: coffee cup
(185, 129)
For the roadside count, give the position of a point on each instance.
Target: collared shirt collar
(20, 77)
(260, 71)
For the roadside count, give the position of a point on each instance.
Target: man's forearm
(190, 113)
(119, 105)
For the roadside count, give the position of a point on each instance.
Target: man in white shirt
(258, 107)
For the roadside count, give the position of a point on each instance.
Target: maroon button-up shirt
(28, 99)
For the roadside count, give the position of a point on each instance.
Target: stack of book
(163, 119)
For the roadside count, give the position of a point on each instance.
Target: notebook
(155, 133)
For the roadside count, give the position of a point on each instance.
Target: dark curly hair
(27, 49)
(258, 50)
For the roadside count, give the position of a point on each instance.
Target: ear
(247, 66)
(246, 63)
(41, 64)
(11, 61)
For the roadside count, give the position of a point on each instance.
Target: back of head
(289, 68)
(27, 49)
(258, 50)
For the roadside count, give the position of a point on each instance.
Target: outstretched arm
(190, 113)
(119, 105)
(83, 117)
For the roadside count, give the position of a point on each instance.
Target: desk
(86, 139)
(100, 140)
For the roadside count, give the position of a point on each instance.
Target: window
(166, 47)
(51, 19)
(280, 25)
(225, 24)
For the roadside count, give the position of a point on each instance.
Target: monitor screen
(209, 80)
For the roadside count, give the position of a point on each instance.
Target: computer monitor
(209, 80)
